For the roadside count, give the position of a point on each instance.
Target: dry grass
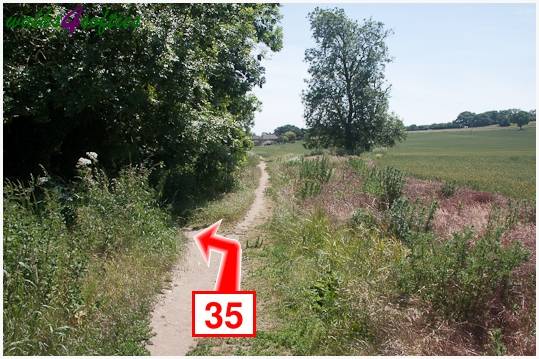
(417, 330)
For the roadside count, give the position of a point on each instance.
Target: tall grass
(312, 175)
(375, 284)
(82, 263)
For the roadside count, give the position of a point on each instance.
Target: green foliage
(469, 119)
(504, 123)
(281, 130)
(312, 175)
(404, 218)
(459, 275)
(521, 118)
(346, 98)
(497, 347)
(231, 206)
(448, 188)
(289, 136)
(386, 183)
(362, 217)
(174, 93)
(50, 267)
(494, 160)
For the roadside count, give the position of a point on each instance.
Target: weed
(386, 183)
(459, 275)
(363, 217)
(404, 218)
(497, 347)
(257, 243)
(312, 175)
(448, 188)
(83, 283)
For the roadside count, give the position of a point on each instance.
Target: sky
(447, 58)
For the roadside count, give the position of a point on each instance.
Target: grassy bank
(83, 263)
(354, 262)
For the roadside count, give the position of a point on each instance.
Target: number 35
(229, 313)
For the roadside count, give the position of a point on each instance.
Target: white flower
(42, 180)
(83, 162)
(92, 156)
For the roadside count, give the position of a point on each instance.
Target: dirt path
(171, 318)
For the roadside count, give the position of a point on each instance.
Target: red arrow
(228, 279)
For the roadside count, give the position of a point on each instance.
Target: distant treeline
(469, 119)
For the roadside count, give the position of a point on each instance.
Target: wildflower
(42, 180)
(83, 162)
(92, 156)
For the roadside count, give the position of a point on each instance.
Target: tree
(346, 100)
(289, 136)
(465, 119)
(504, 122)
(521, 118)
(279, 131)
(392, 132)
(174, 92)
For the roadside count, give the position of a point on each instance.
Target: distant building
(265, 139)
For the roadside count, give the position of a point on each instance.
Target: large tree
(346, 101)
(281, 130)
(174, 93)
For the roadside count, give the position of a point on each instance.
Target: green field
(492, 159)
(281, 149)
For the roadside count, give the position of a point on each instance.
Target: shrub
(386, 183)
(459, 275)
(404, 218)
(448, 189)
(363, 217)
(50, 267)
(312, 174)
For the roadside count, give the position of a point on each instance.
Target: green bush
(363, 217)
(459, 275)
(386, 183)
(404, 218)
(448, 188)
(312, 175)
(49, 308)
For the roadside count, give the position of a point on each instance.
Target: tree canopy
(281, 130)
(346, 101)
(465, 119)
(174, 92)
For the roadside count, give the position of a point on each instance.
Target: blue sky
(448, 58)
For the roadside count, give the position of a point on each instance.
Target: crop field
(493, 160)
(489, 159)
(281, 149)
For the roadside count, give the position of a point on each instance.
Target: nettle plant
(460, 275)
(312, 175)
(386, 184)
